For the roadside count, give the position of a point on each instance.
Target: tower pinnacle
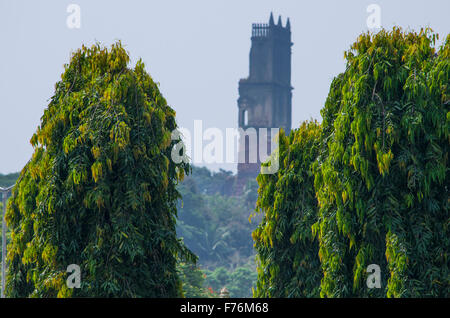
(271, 22)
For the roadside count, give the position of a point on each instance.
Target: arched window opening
(245, 117)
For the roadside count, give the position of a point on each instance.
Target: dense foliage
(8, 235)
(193, 281)
(382, 183)
(6, 180)
(380, 177)
(100, 188)
(288, 264)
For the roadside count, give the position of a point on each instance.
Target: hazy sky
(197, 50)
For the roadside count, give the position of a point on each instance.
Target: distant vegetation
(7, 180)
(206, 283)
(216, 227)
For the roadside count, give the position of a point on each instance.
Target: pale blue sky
(197, 50)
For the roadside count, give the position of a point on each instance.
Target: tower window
(245, 117)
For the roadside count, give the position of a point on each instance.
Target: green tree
(382, 178)
(8, 234)
(242, 282)
(288, 263)
(6, 181)
(100, 188)
(218, 278)
(193, 280)
(239, 281)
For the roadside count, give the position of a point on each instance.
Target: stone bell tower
(265, 95)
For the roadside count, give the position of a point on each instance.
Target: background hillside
(216, 226)
(8, 179)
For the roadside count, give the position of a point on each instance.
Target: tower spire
(288, 24)
(279, 21)
(271, 22)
